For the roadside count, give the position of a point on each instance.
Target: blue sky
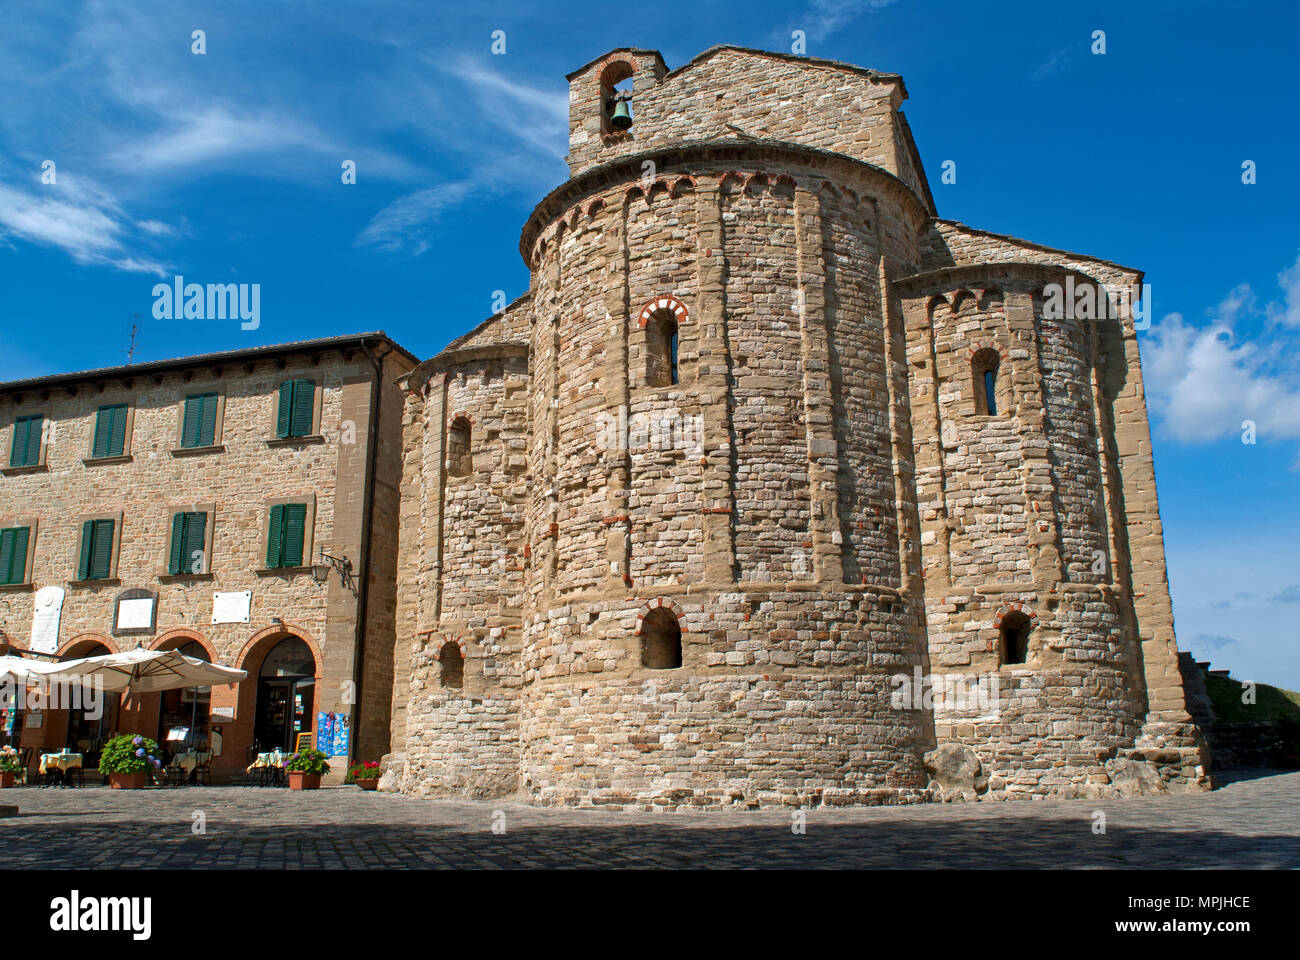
(225, 167)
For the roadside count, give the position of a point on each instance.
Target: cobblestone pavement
(1251, 822)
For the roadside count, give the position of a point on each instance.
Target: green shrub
(307, 761)
(128, 754)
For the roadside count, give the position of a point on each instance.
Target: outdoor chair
(173, 776)
(27, 757)
(203, 772)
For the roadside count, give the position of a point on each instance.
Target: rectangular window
(96, 561)
(13, 555)
(110, 431)
(297, 409)
(26, 448)
(199, 428)
(187, 553)
(287, 534)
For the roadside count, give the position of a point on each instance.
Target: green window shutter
(304, 405)
(13, 554)
(26, 448)
(87, 538)
(117, 441)
(196, 525)
(295, 528)
(101, 551)
(284, 414)
(110, 431)
(193, 416)
(18, 448)
(178, 544)
(275, 536)
(103, 432)
(208, 427)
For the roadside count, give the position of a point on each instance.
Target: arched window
(661, 640)
(661, 349)
(1015, 637)
(460, 461)
(984, 374)
(452, 662)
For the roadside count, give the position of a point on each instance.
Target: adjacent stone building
(767, 453)
(188, 504)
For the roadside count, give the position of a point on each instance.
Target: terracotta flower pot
(303, 781)
(367, 784)
(6, 779)
(127, 781)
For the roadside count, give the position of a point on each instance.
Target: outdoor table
(271, 763)
(60, 763)
(185, 762)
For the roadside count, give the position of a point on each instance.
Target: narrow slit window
(1015, 638)
(984, 381)
(452, 664)
(460, 456)
(661, 350)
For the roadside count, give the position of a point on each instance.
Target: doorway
(183, 714)
(286, 686)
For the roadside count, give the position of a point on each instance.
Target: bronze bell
(621, 118)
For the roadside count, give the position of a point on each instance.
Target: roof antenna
(130, 354)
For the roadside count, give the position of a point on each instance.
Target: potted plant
(365, 775)
(127, 761)
(306, 768)
(10, 764)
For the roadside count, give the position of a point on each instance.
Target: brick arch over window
(1020, 608)
(659, 625)
(657, 603)
(80, 645)
(451, 663)
(1014, 624)
(178, 638)
(261, 643)
(667, 302)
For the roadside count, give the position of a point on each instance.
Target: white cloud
(1287, 311)
(401, 223)
(1205, 381)
(825, 17)
(84, 222)
(212, 136)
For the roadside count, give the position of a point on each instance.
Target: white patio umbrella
(19, 670)
(144, 671)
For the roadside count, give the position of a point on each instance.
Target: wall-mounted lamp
(320, 572)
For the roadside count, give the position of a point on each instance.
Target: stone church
(778, 488)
